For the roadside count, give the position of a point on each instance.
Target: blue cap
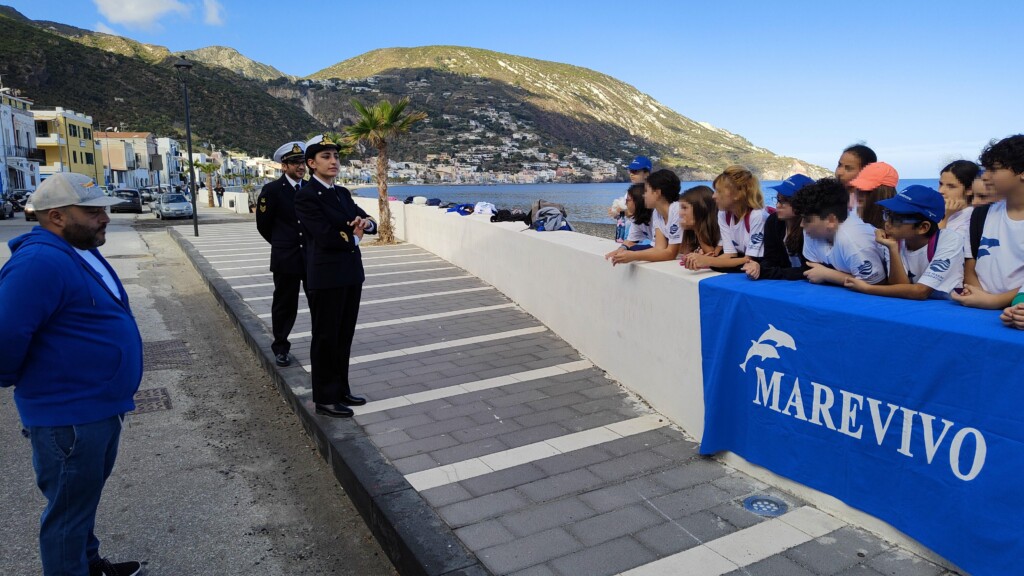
(790, 185)
(917, 199)
(640, 163)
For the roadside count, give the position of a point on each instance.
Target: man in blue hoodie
(73, 353)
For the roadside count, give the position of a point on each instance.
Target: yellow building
(66, 138)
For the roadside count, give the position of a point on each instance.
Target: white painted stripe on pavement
(403, 263)
(410, 271)
(232, 256)
(442, 345)
(396, 299)
(246, 276)
(420, 253)
(365, 288)
(262, 285)
(744, 547)
(240, 268)
(409, 319)
(449, 391)
(473, 467)
(227, 250)
(233, 261)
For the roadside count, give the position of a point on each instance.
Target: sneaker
(105, 568)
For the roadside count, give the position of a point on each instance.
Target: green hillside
(139, 95)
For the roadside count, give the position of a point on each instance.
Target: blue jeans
(72, 463)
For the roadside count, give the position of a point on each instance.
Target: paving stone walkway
(539, 463)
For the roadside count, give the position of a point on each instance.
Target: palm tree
(209, 169)
(379, 125)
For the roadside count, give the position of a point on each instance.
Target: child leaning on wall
(923, 261)
(994, 271)
(660, 194)
(836, 247)
(641, 235)
(783, 257)
(741, 217)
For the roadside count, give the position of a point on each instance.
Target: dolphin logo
(756, 239)
(865, 268)
(939, 265)
(764, 350)
(673, 229)
(985, 244)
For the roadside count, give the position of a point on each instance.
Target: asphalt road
(223, 482)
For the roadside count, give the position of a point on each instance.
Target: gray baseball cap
(70, 189)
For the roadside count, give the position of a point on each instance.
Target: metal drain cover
(165, 354)
(152, 400)
(765, 506)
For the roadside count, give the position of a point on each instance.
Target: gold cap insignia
(343, 236)
(296, 149)
(263, 208)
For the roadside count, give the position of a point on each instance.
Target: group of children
(963, 242)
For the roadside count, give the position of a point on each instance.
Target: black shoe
(284, 359)
(350, 400)
(334, 410)
(105, 568)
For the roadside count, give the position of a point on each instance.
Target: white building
(169, 172)
(19, 157)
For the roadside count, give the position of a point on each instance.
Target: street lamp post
(183, 67)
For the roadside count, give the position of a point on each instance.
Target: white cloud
(139, 13)
(213, 12)
(101, 27)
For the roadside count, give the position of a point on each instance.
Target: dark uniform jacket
(776, 263)
(277, 223)
(332, 257)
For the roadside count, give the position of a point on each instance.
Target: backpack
(462, 209)
(977, 227)
(550, 218)
(540, 204)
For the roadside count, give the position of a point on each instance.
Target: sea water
(583, 202)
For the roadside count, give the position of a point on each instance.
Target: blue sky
(921, 82)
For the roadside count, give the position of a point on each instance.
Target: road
(223, 482)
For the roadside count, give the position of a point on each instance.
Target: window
(74, 156)
(87, 133)
(73, 130)
(42, 128)
(88, 158)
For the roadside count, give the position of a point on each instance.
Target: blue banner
(910, 411)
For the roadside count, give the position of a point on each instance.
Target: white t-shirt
(1000, 264)
(961, 224)
(736, 238)
(671, 229)
(101, 270)
(854, 251)
(943, 273)
(640, 233)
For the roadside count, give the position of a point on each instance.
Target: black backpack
(977, 227)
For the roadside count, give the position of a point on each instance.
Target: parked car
(172, 206)
(147, 194)
(131, 201)
(18, 197)
(30, 211)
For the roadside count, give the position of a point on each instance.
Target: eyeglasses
(889, 216)
(782, 201)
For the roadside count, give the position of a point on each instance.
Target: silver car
(172, 206)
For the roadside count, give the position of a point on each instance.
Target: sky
(921, 82)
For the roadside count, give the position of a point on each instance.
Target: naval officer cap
(290, 152)
(320, 142)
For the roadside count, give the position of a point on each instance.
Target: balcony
(24, 152)
(52, 139)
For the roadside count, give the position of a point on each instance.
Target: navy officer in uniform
(333, 226)
(276, 222)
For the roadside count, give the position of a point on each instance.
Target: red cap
(874, 175)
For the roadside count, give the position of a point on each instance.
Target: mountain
(566, 106)
(231, 59)
(124, 83)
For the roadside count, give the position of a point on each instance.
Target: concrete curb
(417, 541)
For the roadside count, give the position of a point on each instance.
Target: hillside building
(66, 139)
(19, 156)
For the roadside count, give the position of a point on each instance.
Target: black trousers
(334, 312)
(283, 310)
